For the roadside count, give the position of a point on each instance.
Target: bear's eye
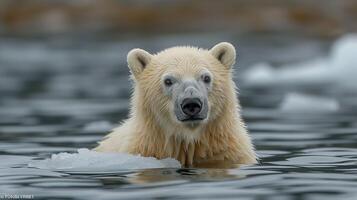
(206, 79)
(168, 82)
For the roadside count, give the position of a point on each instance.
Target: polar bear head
(183, 87)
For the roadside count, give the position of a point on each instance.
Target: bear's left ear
(138, 60)
(225, 53)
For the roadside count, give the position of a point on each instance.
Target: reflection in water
(183, 175)
(61, 98)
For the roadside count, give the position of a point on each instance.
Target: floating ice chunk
(344, 61)
(340, 68)
(98, 126)
(315, 71)
(295, 102)
(344, 52)
(91, 161)
(259, 74)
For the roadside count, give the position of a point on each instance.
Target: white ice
(339, 68)
(86, 160)
(304, 103)
(98, 126)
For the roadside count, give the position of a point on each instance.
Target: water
(58, 95)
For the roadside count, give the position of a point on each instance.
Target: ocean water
(60, 95)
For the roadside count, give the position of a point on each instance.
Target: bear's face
(188, 93)
(183, 86)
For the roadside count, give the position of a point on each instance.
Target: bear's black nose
(191, 106)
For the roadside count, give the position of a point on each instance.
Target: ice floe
(339, 68)
(86, 160)
(98, 126)
(296, 102)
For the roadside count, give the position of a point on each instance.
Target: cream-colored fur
(153, 130)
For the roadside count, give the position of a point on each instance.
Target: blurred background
(77, 48)
(129, 18)
(56, 47)
(64, 84)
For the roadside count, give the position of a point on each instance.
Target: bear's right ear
(138, 59)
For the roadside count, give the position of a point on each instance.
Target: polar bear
(184, 106)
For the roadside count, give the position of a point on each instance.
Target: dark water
(58, 95)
